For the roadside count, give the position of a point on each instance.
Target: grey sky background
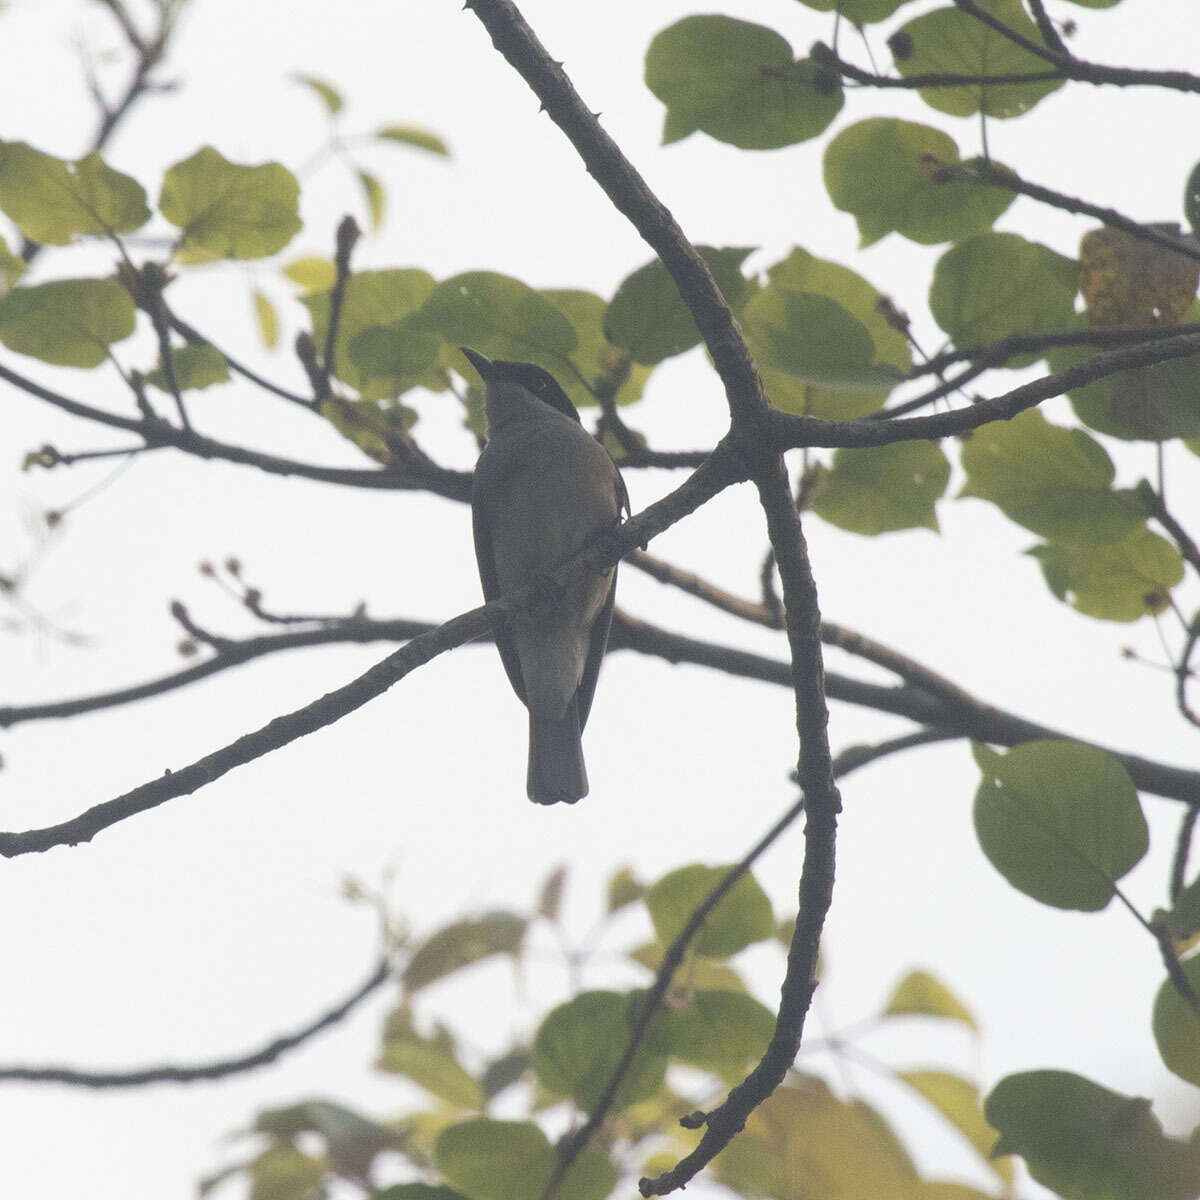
(214, 923)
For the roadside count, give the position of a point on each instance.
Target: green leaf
(858, 12)
(283, 1173)
(195, 366)
(1116, 581)
(417, 1191)
(1191, 199)
(743, 915)
(925, 199)
(500, 317)
(378, 300)
(957, 1099)
(326, 93)
(429, 1062)
(603, 365)
(883, 488)
(503, 1072)
(648, 317)
(1086, 1142)
(805, 1144)
(550, 897)
(920, 994)
(768, 328)
(462, 943)
(694, 972)
(994, 284)
(351, 1140)
(1177, 1027)
(1184, 918)
(12, 267)
(623, 889)
(512, 1160)
(229, 211)
(1059, 820)
(70, 322)
(410, 135)
(267, 318)
(1053, 480)
(51, 200)
(739, 83)
(950, 42)
(312, 274)
(376, 197)
(720, 1029)
(580, 1043)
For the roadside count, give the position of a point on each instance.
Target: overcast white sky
(208, 926)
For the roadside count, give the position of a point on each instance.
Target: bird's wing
(491, 589)
(596, 649)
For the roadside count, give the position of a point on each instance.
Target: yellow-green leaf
(195, 366)
(376, 197)
(226, 210)
(267, 318)
(921, 994)
(70, 322)
(742, 916)
(883, 488)
(958, 1100)
(411, 135)
(326, 93)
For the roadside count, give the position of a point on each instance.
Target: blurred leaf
(1082, 1140)
(883, 488)
(858, 12)
(12, 267)
(268, 320)
(501, 317)
(326, 93)
(417, 1191)
(1184, 917)
(958, 1101)
(717, 1029)
(550, 897)
(1191, 200)
(377, 300)
(805, 1144)
(1059, 820)
(623, 889)
(229, 211)
(376, 197)
(195, 366)
(312, 274)
(374, 426)
(925, 200)
(994, 284)
(430, 1063)
(950, 42)
(693, 972)
(1129, 282)
(51, 200)
(512, 1160)
(743, 915)
(503, 1072)
(351, 1140)
(739, 83)
(1177, 1027)
(803, 274)
(1055, 481)
(70, 322)
(603, 365)
(410, 135)
(1116, 581)
(919, 993)
(283, 1173)
(648, 317)
(462, 943)
(579, 1044)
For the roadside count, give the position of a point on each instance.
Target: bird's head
(506, 380)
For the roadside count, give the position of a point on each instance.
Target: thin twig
(347, 235)
(195, 1072)
(1050, 35)
(1183, 845)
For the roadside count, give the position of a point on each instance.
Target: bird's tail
(556, 770)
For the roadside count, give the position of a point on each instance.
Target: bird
(543, 489)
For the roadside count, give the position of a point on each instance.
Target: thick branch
(220, 1069)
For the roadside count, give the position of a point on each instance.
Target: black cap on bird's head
(534, 379)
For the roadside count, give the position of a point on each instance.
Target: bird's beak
(480, 362)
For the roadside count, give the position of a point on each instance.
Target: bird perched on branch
(544, 488)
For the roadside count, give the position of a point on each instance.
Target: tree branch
(849, 760)
(988, 172)
(220, 1069)
(717, 473)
